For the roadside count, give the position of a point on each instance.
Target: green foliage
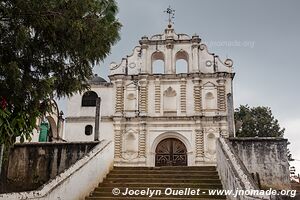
(47, 50)
(256, 122)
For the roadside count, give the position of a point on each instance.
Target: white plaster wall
(75, 109)
(190, 98)
(75, 131)
(77, 181)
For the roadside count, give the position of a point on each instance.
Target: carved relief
(130, 145)
(170, 103)
(131, 98)
(210, 140)
(211, 146)
(170, 92)
(209, 94)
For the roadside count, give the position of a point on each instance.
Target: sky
(260, 36)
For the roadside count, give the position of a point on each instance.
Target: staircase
(157, 179)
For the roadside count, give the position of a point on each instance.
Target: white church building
(165, 104)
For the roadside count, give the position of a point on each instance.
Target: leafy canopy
(256, 121)
(47, 50)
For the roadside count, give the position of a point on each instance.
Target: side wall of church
(79, 117)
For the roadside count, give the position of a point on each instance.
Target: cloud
(292, 127)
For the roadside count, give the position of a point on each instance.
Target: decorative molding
(118, 143)
(197, 98)
(199, 143)
(183, 96)
(142, 141)
(221, 98)
(157, 98)
(119, 99)
(170, 92)
(143, 98)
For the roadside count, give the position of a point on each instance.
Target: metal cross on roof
(171, 13)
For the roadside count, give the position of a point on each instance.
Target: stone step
(160, 180)
(155, 198)
(163, 172)
(171, 185)
(189, 176)
(152, 198)
(173, 168)
(110, 194)
(109, 189)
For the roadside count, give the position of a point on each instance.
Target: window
(158, 63)
(89, 99)
(158, 67)
(181, 64)
(88, 130)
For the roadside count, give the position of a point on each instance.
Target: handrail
(233, 173)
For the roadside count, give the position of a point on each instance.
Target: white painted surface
(76, 182)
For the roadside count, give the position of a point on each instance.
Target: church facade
(165, 104)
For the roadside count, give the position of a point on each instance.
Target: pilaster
(143, 97)
(197, 96)
(221, 95)
(183, 95)
(157, 96)
(119, 107)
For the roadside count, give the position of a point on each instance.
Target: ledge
(54, 143)
(246, 139)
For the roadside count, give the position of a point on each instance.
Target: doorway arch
(171, 152)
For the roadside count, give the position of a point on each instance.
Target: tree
(47, 50)
(256, 122)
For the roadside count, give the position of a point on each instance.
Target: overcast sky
(261, 37)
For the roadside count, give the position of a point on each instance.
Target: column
(157, 99)
(199, 145)
(183, 95)
(221, 92)
(119, 98)
(143, 97)
(197, 96)
(118, 140)
(142, 140)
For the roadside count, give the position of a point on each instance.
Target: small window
(158, 63)
(158, 67)
(88, 130)
(181, 66)
(89, 99)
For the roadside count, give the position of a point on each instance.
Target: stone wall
(267, 157)
(234, 175)
(30, 165)
(78, 181)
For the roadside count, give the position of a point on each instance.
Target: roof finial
(171, 13)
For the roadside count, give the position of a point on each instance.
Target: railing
(233, 173)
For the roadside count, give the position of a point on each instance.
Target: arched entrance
(170, 152)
